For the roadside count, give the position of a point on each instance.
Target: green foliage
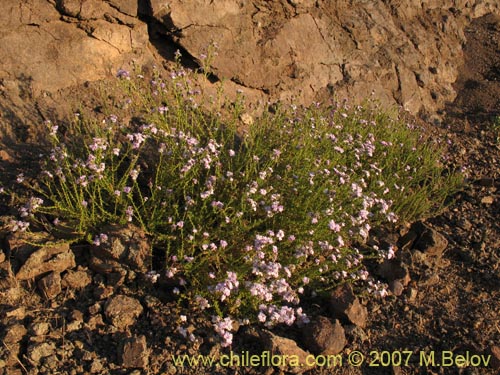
(249, 221)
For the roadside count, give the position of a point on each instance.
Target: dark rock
(345, 304)
(396, 287)
(286, 347)
(134, 352)
(429, 240)
(122, 311)
(394, 269)
(323, 337)
(494, 351)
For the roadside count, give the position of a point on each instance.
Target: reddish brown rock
(134, 352)
(345, 304)
(324, 337)
(295, 358)
(122, 311)
(429, 240)
(275, 43)
(50, 285)
(49, 258)
(126, 246)
(76, 279)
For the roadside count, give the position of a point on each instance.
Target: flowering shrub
(249, 222)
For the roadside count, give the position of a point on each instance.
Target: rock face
(405, 52)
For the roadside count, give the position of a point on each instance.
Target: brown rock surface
(304, 48)
(407, 53)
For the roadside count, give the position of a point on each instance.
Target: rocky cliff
(404, 52)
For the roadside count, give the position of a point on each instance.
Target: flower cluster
(249, 223)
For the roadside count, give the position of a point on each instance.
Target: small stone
(285, 347)
(77, 315)
(40, 328)
(134, 352)
(51, 362)
(323, 337)
(18, 313)
(50, 285)
(429, 241)
(103, 292)
(412, 294)
(487, 200)
(396, 287)
(126, 247)
(73, 326)
(38, 351)
(346, 305)
(393, 269)
(95, 308)
(14, 333)
(356, 334)
(95, 321)
(122, 311)
(96, 366)
(76, 279)
(2, 256)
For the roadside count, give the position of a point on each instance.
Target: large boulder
(405, 52)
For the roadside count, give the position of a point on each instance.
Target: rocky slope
(439, 59)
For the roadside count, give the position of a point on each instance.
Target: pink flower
(334, 226)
